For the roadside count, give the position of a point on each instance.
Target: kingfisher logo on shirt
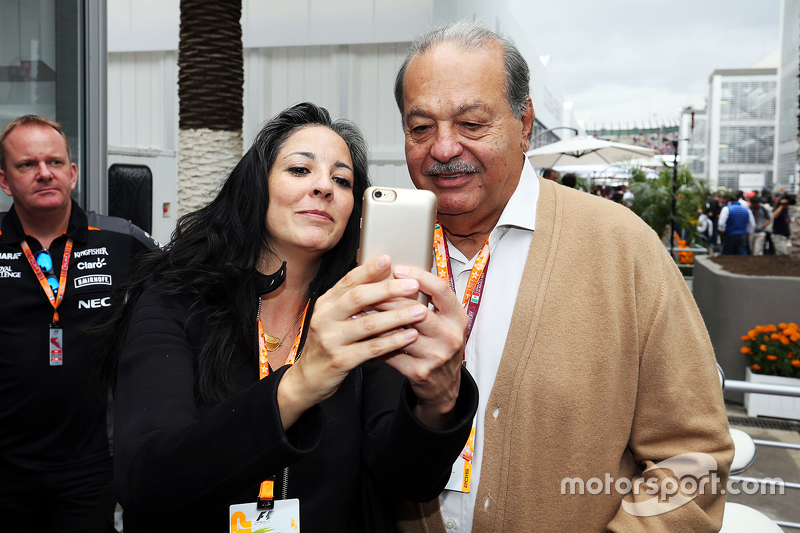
(90, 251)
(11, 255)
(98, 279)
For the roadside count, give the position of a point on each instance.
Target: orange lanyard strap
(266, 493)
(472, 294)
(55, 300)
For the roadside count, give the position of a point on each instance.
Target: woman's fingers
(363, 326)
(364, 287)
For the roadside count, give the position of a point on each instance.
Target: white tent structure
(585, 151)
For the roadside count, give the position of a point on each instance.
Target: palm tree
(653, 200)
(210, 90)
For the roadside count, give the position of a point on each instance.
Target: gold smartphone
(399, 223)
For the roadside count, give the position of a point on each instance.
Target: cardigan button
(450, 524)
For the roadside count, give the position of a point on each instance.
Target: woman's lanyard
(472, 294)
(266, 493)
(55, 300)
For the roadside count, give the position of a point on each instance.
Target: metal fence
(777, 390)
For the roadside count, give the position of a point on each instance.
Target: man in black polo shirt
(55, 464)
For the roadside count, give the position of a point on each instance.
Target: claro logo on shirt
(90, 265)
(94, 303)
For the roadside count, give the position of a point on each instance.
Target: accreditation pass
(283, 518)
(461, 475)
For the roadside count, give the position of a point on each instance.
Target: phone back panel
(401, 227)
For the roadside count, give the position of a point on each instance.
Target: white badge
(56, 346)
(284, 518)
(461, 475)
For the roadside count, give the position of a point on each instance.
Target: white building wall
(143, 125)
(761, 116)
(353, 81)
(342, 55)
(787, 170)
(714, 98)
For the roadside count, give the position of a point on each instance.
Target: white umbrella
(617, 171)
(585, 151)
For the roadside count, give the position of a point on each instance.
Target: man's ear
(73, 175)
(527, 124)
(4, 183)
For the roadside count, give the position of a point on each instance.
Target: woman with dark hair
(239, 359)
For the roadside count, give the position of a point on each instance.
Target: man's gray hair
(473, 35)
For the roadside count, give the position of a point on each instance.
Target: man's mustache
(456, 166)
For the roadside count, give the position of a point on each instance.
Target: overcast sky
(632, 59)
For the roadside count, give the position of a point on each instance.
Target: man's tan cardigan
(607, 370)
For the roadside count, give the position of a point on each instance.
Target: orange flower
(772, 357)
(795, 337)
(745, 338)
(774, 336)
(752, 333)
(782, 325)
(790, 355)
(784, 340)
(772, 328)
(756, 367)
(745, 349)
(796, 362)
(763, 347)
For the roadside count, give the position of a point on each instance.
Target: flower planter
(769, 405)
(731, 304)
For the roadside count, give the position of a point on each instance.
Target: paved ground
(772, 463)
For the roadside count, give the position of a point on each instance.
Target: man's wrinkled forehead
(435, 74)
(423, 111)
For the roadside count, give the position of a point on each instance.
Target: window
(130, 194)
(40, 67)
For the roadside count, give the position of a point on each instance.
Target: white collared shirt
(509, 242)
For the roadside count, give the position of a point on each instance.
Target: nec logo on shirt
(94, 303)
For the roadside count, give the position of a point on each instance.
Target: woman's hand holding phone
(341, 337)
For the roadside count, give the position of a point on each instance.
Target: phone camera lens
(377, 194)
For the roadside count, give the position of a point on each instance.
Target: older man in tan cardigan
(597, 378)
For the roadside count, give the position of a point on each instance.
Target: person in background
(630, 383)
(736, 222)
(58, 265)
(781, 228)
(762, 219)
(569, 180)
(245, 357)
(627, 196)
(550, 174)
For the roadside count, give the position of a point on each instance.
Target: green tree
(653, 200)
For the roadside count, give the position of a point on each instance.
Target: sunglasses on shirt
(45, 262)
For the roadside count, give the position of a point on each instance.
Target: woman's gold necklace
(273, 343)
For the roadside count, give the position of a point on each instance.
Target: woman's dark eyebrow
(309, 155)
